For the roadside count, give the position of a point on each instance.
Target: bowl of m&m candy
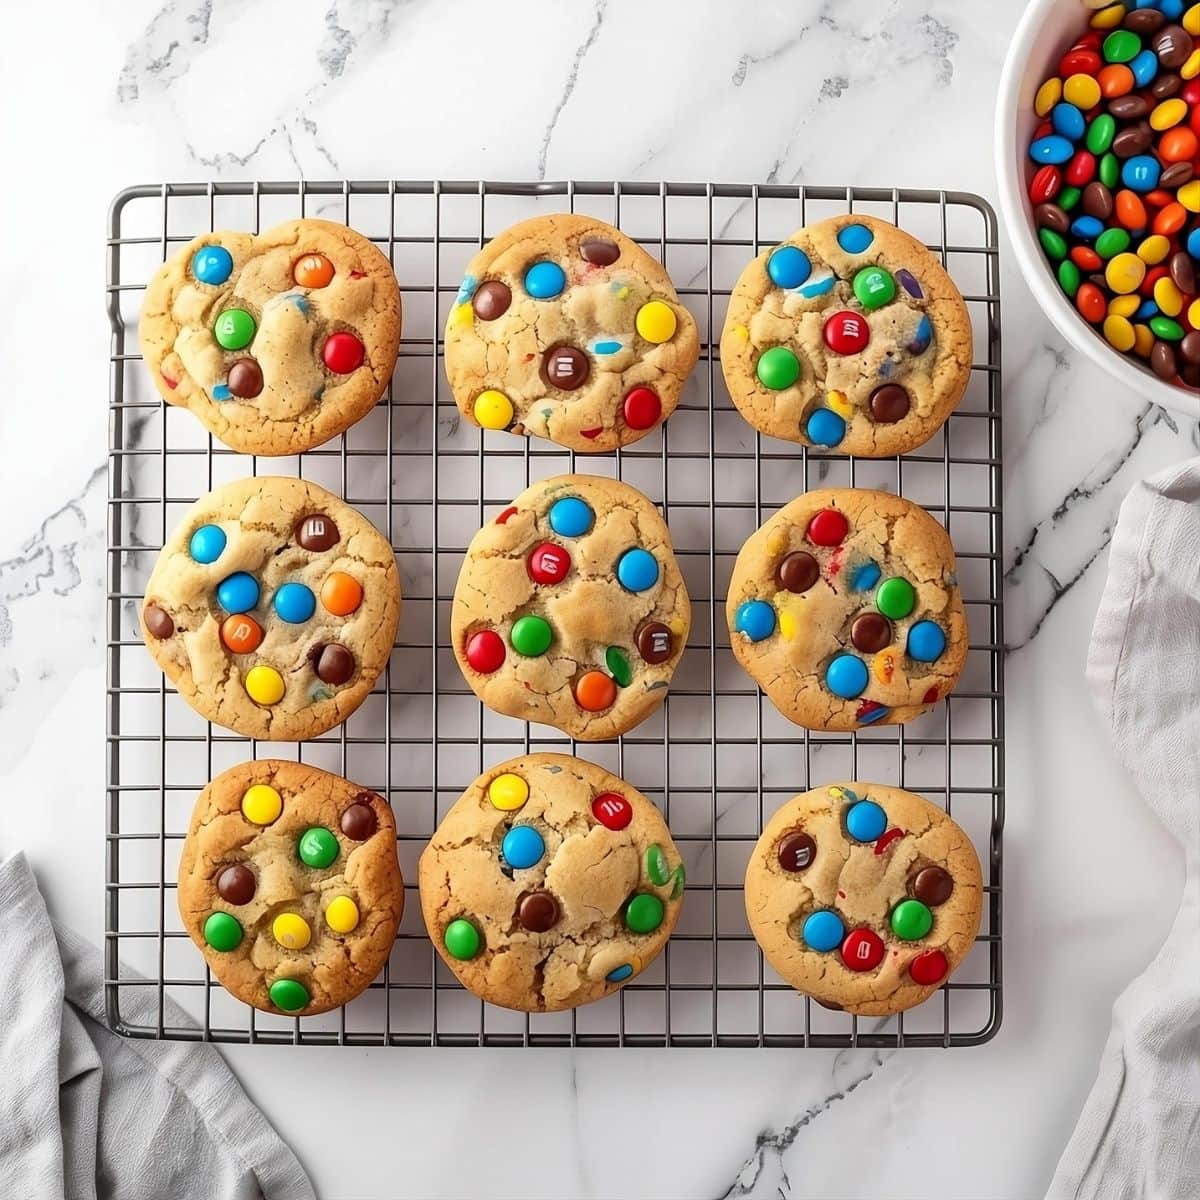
(1098, 158)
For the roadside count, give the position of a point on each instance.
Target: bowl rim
(1034, 266)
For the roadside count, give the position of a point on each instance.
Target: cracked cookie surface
(570, 609)
(549, 884)
(849, 335)
(278, 341)
(273, 608)
(863, 896)
(566, 328)
(290, 886)
(845, 609)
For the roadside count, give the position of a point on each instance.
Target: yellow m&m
(1118, 332)
(1125, 272)
(1048, 95)
(342, 914)
(262, 804)
(656, 321)
(291, 931)
(1082, 91)
(508, 792)
(493, 409)
(264, 685)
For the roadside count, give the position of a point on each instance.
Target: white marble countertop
(864, 91)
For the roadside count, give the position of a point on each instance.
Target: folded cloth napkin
(85, 1113)
(1138, 1137)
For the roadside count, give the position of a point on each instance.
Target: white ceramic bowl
(1046, 30)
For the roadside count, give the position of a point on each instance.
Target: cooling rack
(717, 757)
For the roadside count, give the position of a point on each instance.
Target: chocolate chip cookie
(570, 609)
(845, 609)
(549, 884)
(864, 897)
(850, 335)
(272, 608)
(276, 341)
(289, 885)
(566, 328)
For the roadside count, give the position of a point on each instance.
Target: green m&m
(777, 368)
(617, 662)
(461, 940)
(1112, 242)
(317, 847)
(895, 598)
(874, 287)
(234, 329)
(531, 635)
(911, 920)
(644, 913)
(223, 932)
(290, 995)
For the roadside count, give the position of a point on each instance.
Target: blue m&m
(637, 570)
(846, 676)
(1140, 173)
(854, 239)
(825, 427)
(212, 265)
(865, 821)
(237, 593)
(620, 974)
(926, 641)
(571, 517)
(1052, 149)
(1068, 121)
(207, 544)
(865, 577)
(522, 847)
(294, 603)
(789, 267)
(823, 931)
(545, 280)
(756, 619)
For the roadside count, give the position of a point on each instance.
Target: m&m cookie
(570, 609)
(289, 885)
(272, 608)
(566, 328)
(277, 341)
(845, 609)
(549, 884)
(864, 897)
(848, 336)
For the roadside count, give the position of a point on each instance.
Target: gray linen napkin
(85, 1113)
(1138, 1137)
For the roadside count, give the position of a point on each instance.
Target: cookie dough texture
(302, 402)
(588, 611)
(259, 518)
(762, 315)
(813, 626)
(596, 313)
(334, 967)
(590, 870)
(862, 887)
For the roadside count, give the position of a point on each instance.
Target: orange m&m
(595, 691)
(240, 634)
(313, 271)
(341, 594)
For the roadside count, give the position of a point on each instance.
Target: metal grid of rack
(717, 758)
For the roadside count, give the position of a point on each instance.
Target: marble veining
(878, 92)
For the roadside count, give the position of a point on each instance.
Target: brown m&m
(537, 911)
(797, 572)
(236, 884)
(359, 821)
(889, 404)
(796, 850)
(245, 379)
(332, 662)
(932, 886)
(317, 532)
(491, 300)
(158, 621)
(871, 632)
(600, 252)
(654, 642)
(565, 367)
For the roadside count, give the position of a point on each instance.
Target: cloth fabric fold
(1139, 1133)
(85, 1113)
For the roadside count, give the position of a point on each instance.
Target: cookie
(276, 341)
(272, 608)
(566, 328)
(549, 884)
(864, 897)
(570, 609)
(289, 885)
(845, 609)
(850, 335)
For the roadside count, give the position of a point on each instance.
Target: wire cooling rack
(717, 757)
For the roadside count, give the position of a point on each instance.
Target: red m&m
(862, 950)
(343, 353)
(928, 967)
(642, 408)
(828, 527)
(485, 651)
(612, 810)
(847, 332)
(549, 563)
